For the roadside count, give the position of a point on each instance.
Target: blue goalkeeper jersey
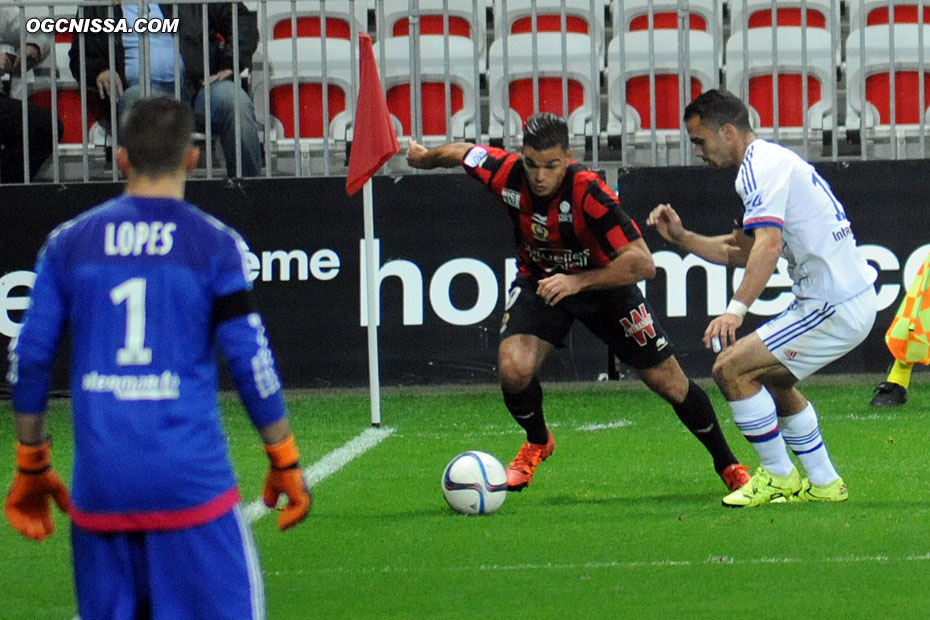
(150, 289)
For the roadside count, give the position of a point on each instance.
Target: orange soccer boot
(523, 466)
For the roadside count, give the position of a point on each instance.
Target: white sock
(802, 434)
(755, 416)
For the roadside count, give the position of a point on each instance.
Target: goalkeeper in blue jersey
(149, 287)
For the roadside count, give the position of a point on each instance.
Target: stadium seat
(754, 71)
(397, 78)
(578, 19)
(758, 14)
(466, 19)
(68, 100)
(876, 13)
(873, 65)
(633, 121)
(516, 76)
(341, 17)
(310, 129)
(706, 15)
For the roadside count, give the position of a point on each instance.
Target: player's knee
(724, 372)
(671, 384)
(515, 373)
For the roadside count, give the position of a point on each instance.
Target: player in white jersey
(790, 211)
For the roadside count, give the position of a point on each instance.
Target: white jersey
(778, 188)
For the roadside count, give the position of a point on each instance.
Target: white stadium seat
(515, 74)
(397, 79)
(754, 70)
(633, 121)
(873, 65)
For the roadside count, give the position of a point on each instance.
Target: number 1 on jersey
(134, 351)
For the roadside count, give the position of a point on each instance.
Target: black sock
(697, 414)
(526, 409)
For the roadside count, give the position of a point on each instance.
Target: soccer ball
(474, 483)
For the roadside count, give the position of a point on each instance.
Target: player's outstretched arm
(35, 482)
(445, 156)
(666, 221)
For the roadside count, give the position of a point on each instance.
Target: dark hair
(545, 130)
(156, 133)
(716, 108)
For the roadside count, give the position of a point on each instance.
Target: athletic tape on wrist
(737, 307)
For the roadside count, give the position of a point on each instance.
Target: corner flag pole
(374, 142)
(371, 287)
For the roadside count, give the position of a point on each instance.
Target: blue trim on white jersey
(747, 176)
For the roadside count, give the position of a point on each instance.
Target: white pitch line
(611, 564)
(329, 464)
(604, 426)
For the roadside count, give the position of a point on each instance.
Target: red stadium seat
(870, 112)
(514, 75)
(69, 111)
(466, 19)
(753, 70)
(630, 97)
(397, 77)
(578, 20)
(788, 14)
(341, 16)
(310, 106)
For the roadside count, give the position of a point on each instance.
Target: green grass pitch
(623, 521)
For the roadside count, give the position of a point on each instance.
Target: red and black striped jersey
(581, 226)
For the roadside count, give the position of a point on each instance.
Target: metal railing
(496, 60)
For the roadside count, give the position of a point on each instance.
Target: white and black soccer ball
(474, 483)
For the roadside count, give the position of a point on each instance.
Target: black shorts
(620, 317)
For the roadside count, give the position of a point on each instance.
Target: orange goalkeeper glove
(27, 507)
(285, 477)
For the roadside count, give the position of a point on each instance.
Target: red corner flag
(374, 140)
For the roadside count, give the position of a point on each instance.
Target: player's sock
(526, 409)
(756, 418)
(900, 373)
(697, 414)
(802, 434)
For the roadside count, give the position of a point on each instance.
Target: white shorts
(811, 333)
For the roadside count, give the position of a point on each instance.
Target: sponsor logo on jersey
(476, 157)
(165, 386)
(565, 211)
(539, 228)
(791, 354)
(661, 343)
(511, 197)
(842, 233)
(551, 259)
(639, 325)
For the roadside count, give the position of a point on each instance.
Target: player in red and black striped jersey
(580, 257)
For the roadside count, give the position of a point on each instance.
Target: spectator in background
(11, 109)
(223, 92)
